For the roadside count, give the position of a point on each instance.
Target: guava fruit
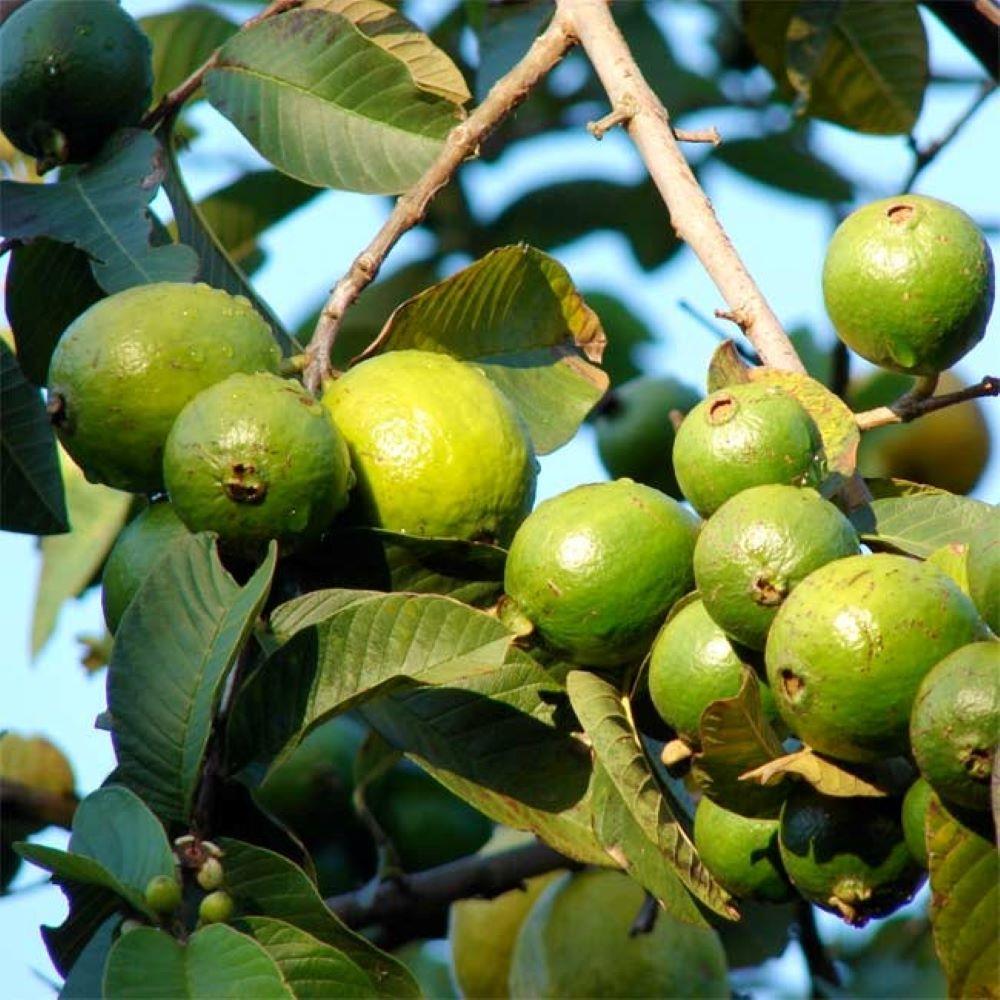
(908, 283)
(437, 448)
(211, 875)
(143, 542)
(847, 855)
(851, 644)
(163, 894)
(742, 436)
(914, 816)
(36, 763)
(216, 908)
(575, 942)
(597, 568)
(125, 368)
(70, 75)
(760, 545)
(635, 432)
(948, 448)
(955, 725)
(741, 852)
(983, 567)
(255, 457)
(693, 663)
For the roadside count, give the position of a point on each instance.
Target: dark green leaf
(915, 519)
(505, 32)
(268, 885)
(617, 748)
(516, 315)
(762, 932)
(102, 209)
(173, 650)
(31, 492)
(216, 961)
(327, 105)
(806, 41)
(48, 285)
(86, 978)
(626, 333)
(89, 907)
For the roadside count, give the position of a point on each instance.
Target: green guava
(163, 894)
(216, 908)
(915, 803)
(983, 567)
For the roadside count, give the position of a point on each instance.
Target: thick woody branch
(462, 142)
(911, 406)
(690, 210)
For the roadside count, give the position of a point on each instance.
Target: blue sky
(781, 238)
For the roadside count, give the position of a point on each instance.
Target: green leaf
(504, 33)
(726, 367)
(501, 740)
(347, 646)
(86, 977)
(915, 519)
(266, 884)
(216, 268)
(516, 315)
(430, 68)
(31, 491)
(327, 105)
(182, 40)
(70, 562)
(90, 906)
(965, 903)
(602, 711)
(309, 967)
(173, 651)
(627, 334)
(834, 777)
(626, 843)
(102, 208)
(216, 961)
(871, 71)
(48, 285)
(735, 737)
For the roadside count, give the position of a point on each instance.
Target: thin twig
(821, 967)
(910, 407)
(924, 157)
(184, 90)
(698, 135)
(463, 141)
(690, 210)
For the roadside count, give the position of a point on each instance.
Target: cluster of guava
(196, 892)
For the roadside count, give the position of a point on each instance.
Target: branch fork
(619, 115)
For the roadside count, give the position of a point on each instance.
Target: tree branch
(463, 140)
(411, 899)
(911, 406)
(821, 967)
(690, 210)
(970, 23)
(34, 805)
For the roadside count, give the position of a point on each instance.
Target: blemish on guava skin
(899, 213)
(792, 684)
(978, 764)
(243, 486)
(766, 592)
(56, 409)
(722, 409)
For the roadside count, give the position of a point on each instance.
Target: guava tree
(360, 694)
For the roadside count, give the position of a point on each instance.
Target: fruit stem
(914, 404)
(821, 967)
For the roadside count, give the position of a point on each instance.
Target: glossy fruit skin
(742, 436)
(955, 724)
(760, 545)
(983, 567)
(635, 434)
(143, 542)
(255, 457)
(849, 648)
(438, 450)
(163, 894)
(847, 855)
(597, 568)
(70, 75)
(124, 369)
(915, 803)
(741, 852)
(575, 943)
(693, 663)
(216, 908)
(908, 283)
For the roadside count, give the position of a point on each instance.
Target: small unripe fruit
(210, 876)
(216, 908)
(163, 894)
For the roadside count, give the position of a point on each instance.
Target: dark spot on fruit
(899, 213)
(56, 409)
(767, 593)
(978, 764)
(721, 409)
(792, 684)
(244, 485)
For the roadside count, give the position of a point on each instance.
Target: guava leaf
(501, 741)
(430, 67)
(266, 884)
(216, 961)
(619, 751)
(328, 105)
(70, 562)
(345, 646)
(626, 333)
(735, 737)
(102, 208)
(174, 648)
(865, 68)
(505, 32)
(762, 932)
(309, 967)
(48, 285)
(965, 903)
(86, 978)
(629, 847)
(89, 907)
(516, 316)
(216, 268)
(915, 519)
(31, 490)
(726, 367)
(832, 777)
